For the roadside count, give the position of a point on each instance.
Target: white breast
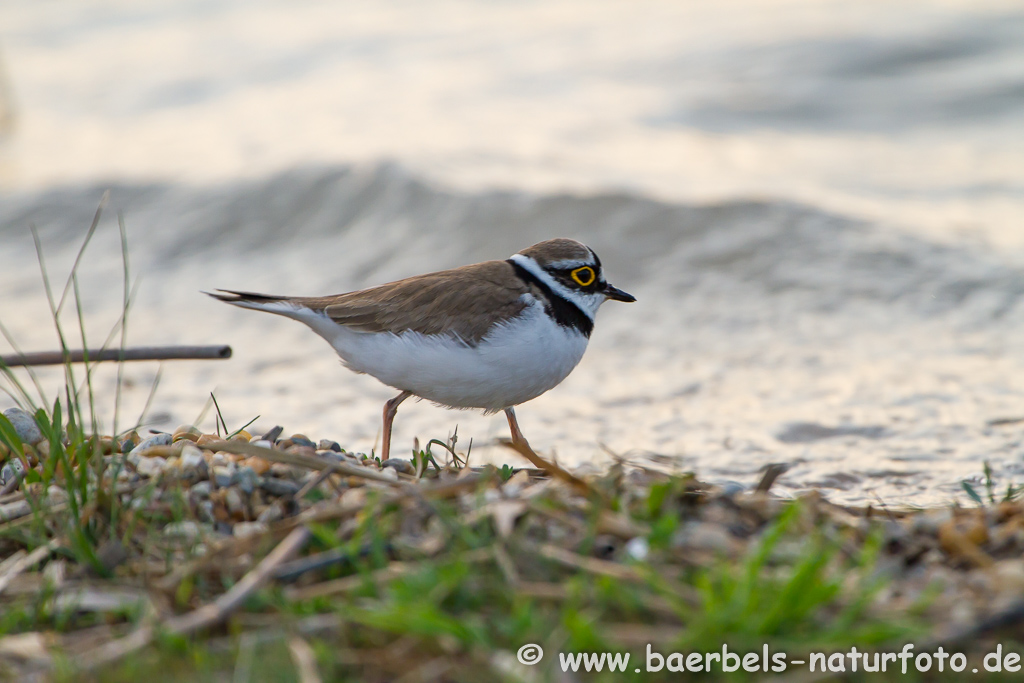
(516, 361)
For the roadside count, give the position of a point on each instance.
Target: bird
(486, 336)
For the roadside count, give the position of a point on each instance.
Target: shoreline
(342, 529)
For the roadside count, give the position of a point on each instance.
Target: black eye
(584, 276)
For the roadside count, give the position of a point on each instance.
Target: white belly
(515, 362)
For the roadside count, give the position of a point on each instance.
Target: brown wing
(465, 301)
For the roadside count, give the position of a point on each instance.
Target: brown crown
(559, 249)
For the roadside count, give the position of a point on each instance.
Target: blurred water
(817, 204)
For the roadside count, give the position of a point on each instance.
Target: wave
(380, 222)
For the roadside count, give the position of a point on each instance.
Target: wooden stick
(299, 460)
(222, 607)
(138, 353)
(591, 565)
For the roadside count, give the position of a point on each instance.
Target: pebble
(262, 443)
(637, 548)
(279, 469)
(157, 440)
(301, 440)
(187, 529)
(929, 522)
(242, 435)
(107, 445)
(208, 439)
(400, 465)
(328, 445)
(31, 455)
(12, 469)
(186, 432)
(161, 451)
(605, 546)
(280, 487)
(150, 467)
(234, 502)
(246, 529)
(220, 459)
(256, 464)
(353, 497)
(731, 488)
(133, 438)
(895, 534)
(272, 434)
(224, 476)
(704, 536)
(56, 494)
(25, 425)
(192, 459)
(334, 456)
(308, 451)
(272, 514)
(246, 480)
(201, 490)
(205, 509)
(200, 472)
(1010, 575)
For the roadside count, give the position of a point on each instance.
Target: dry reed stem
(304, 659)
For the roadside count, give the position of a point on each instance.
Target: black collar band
(564, 312)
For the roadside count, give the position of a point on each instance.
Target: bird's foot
(522, 447)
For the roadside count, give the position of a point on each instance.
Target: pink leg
(390, 409)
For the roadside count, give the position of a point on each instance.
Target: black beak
(617, 294)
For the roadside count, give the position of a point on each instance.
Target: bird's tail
(281, 305)
(232, 297)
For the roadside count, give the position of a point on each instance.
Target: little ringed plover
(489, 336)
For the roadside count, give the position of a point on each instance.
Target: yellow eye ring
(584, 276)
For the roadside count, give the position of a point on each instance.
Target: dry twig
(37, 555)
